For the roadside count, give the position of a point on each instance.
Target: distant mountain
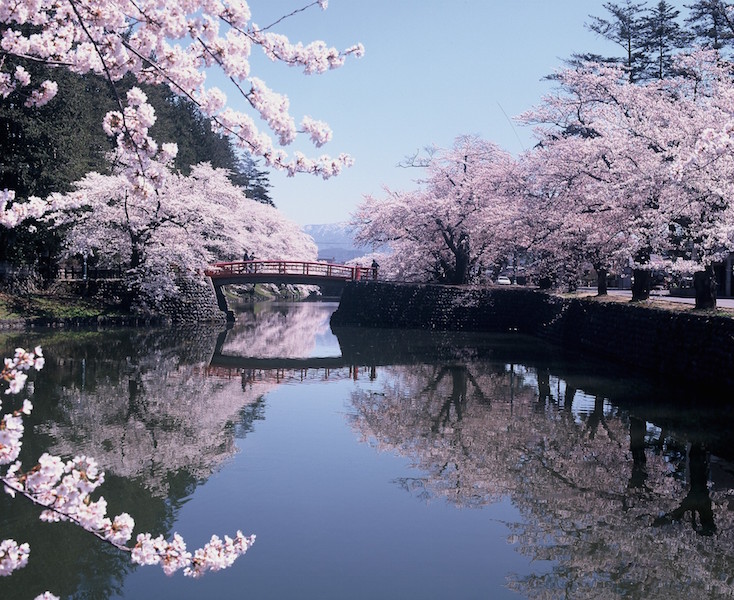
(335, 242)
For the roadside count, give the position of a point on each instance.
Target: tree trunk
(704, 282)
(544, 388)
(461, 254)
(637, 449)
(696, 506)
(601, 281)
(136, 254)
(640, 285)
(568, 397)
(545, 283)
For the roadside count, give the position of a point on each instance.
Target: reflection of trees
(155, 413)
(273, 331)
(139, 402)
(610, 501)
(697, 505)
(428, 413)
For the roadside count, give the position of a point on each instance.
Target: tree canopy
(631, 172)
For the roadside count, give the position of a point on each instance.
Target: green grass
(29, 306)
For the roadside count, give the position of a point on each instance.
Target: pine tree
(46, 149)
(709, 25)
(626, 28)
(663, 38)
(253, 180)
(181, 121)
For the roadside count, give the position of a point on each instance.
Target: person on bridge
(248, 258)
(375, 267)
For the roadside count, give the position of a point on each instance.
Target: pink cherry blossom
(173, 43)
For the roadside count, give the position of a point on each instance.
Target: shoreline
(659, 339)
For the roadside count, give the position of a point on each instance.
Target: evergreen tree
(254, 180)
(181, 121)
(709, 25)
(626, 28)
(663, 38)
(45, 149)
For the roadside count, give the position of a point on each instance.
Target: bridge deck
(286, 271)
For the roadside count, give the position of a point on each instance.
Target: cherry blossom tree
(174, 44)
(194, 221)
(643, 170)
(592, 182)
(704, 212)
(567, 223)
(170, 43)
(453, 226)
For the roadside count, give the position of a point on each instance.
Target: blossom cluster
(14, 369)
(20, 78)
(315, 57)
(13, 555)
(12, 212)
(143, 162)
(319, 131)
(172, 43)
(65, 488)
(173, 555)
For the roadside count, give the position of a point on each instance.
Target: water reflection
(142, 403)
(156, 411)
(623, 485)
(275, 330)
(620, 507)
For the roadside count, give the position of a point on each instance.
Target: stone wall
(196, 304)
(687, 345)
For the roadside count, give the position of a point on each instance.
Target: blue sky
(432, 70)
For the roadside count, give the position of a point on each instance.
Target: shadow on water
(667, 403)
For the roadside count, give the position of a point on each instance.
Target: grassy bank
(26, 308)
(654, 302)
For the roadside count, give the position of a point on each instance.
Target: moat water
(378, 464)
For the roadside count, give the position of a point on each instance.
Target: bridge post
(222, 303)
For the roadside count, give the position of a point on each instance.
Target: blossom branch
(63, 490)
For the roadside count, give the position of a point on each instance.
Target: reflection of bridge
(327, 275)
(277, 373)
(242, 362)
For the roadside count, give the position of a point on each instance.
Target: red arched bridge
(330, 277)
(286, 271)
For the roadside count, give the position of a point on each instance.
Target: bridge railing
(286, 267)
